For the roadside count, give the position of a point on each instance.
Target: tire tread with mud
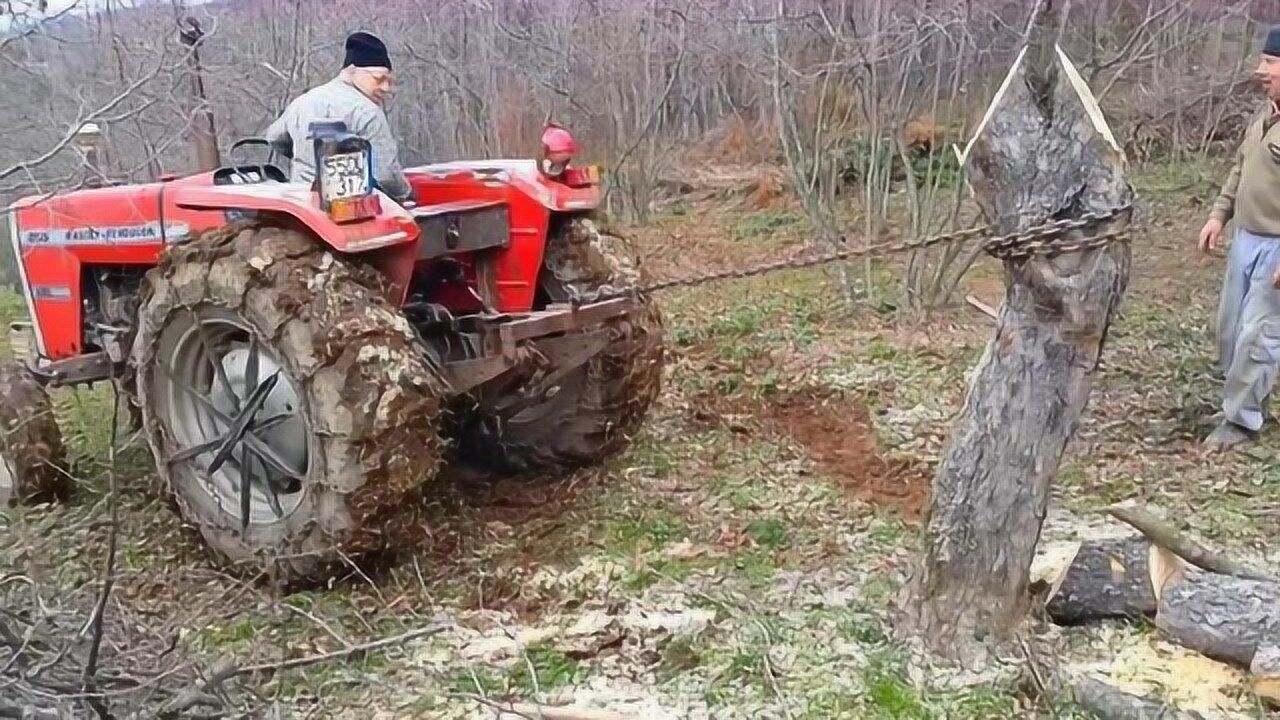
(368, 402)
(32, 456)
(596, 409)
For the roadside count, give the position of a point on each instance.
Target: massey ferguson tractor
(304, 360)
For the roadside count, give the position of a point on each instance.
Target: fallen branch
(981, 306)
(1167, 536)
(1109, 703)
(225, 669)
(338, 654)
(567, 713)
(108, 570)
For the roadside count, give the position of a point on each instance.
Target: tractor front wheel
(32, 456)
(594, 410)
(288, 405)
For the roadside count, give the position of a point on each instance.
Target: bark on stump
(1107, 579)
(1042, 153)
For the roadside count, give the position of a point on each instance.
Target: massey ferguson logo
(108, 235)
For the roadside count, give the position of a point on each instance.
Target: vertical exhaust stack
(203, 133)
(91, 146)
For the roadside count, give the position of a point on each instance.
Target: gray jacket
(339, 100)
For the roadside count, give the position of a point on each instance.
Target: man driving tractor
(356, 97)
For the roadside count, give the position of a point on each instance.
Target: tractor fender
(392, 227)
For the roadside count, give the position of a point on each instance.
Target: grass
(763, 225)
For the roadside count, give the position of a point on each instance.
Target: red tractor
(303, 360)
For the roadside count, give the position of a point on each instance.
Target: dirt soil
(837, 434)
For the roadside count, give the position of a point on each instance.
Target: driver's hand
(1210, 240)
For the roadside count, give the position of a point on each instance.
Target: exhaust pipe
(203, 133)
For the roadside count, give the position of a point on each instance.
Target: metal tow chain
(1044, 240)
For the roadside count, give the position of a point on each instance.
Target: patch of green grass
(805, 317)
(1224, 516)
(476, 681)
(236, 634)
(762, 225)
(1072, 475)
(861, 627)
(649, 529)
(770, 533)
(881, 351)
(675, 570)
(679, 656)
(756, 568)
(654, 457)
(889, 695)
(740, 321)
(1178, 176)
(983, 703)
(12, 307)
(741, 494)
(886, 530)
(744, 669)
(550, 667)
(877, 590)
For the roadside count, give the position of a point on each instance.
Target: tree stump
(1043, 152)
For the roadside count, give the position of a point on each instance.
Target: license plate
(346, 176)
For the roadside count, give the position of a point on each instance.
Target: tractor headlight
(344, 173)
(558, 148)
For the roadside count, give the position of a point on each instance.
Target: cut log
(1166, 535)
(1264, 673)
(1109, 703)
(1106, 579)
(1042, 153)
(1224, 617)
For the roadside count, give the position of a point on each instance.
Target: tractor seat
(248, 175)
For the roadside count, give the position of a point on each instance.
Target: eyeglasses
(378, 76)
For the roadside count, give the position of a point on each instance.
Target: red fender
(393, 226)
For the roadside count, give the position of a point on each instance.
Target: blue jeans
(1249, 328)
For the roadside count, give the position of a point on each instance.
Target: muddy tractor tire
(594, 411)
(32, 457)
(288, 405)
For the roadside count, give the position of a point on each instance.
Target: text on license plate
(346, 175)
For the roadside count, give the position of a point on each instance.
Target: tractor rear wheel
(32, 456)
(288, 405)
(594, 411)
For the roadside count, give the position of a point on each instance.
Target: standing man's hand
(1211, 235)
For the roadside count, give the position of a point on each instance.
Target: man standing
(356, 97)
(1249, 315)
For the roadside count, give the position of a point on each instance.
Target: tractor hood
(444, 182)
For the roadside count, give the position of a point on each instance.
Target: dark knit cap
(365, 50)
(1272, 46)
